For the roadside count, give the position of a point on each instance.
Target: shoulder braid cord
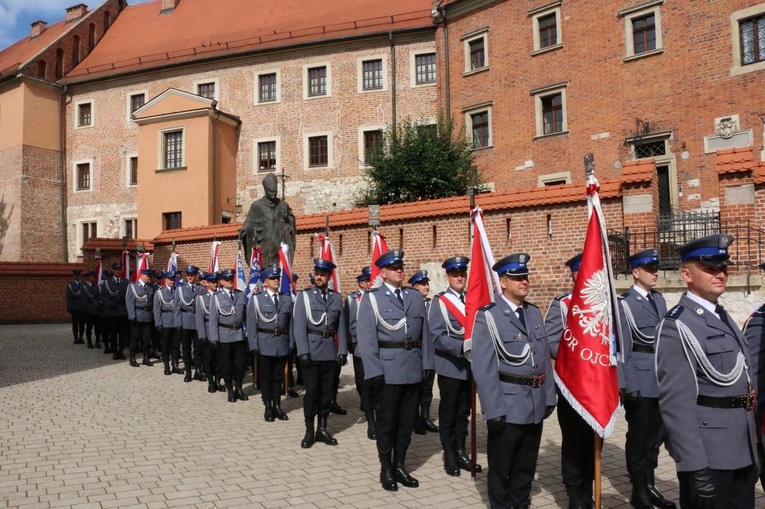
(502, 354)
(79, 287)
(260, 315)
(448, 322)
(231, 312)
(721, 379)
(109, 289)
(201, 301)
(309, 316)
(183, 301)
(644, 338)
(398, 326)
(164, 302)
(139, 298)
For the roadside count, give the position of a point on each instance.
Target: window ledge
(313, 168)
(548, 49)
(264, 170)
(372, 90)
(551, 135)
(747, 68)
(480, 149)
(87, 126)
(638, 56)
(170, 170)
(83, 190)
(265, 103)
(476, 71)
(310, 97)
(422, 85)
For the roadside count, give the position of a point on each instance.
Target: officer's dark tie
(398, 296)
(519, 312)
(653, 303)
(231, 294)
(724, 317)
(276, 300)
(462, 298)
(324, 297)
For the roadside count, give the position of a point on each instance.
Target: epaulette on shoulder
(532, 304)
(373, 289)
(562, 296)
(440, 294)
(675, 312)
(624, 295)
(488, 306)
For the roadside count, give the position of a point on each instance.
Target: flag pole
(471, 194)
(598, 484)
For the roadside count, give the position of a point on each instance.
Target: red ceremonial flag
(141, 263)
(479, 283)
(379, 247)
(214, 265)
(585, 369)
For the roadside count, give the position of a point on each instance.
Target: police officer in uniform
(165, 322)
(74, 306)
(642, 308)
(185, 318)
(397, 352)
(577, 444)
(706, 384)
(322, 348)
(91, 309)
(754, 332)
(268, 320)
(514, 378)
(423, 423)
(447, 321)
(227, 317)
(140, 304)
(211, 364)
(352, 301)
(116, 326)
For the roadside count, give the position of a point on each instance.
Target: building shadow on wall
(5, 221)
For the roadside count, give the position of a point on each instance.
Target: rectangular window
(172, 220)
(552, 113)
(752, 32)
(425, 68)
(83, 177)
(136, 101)
(89, 231)
(172, 149)
(206, 90)
(267, 156)
(317, 151)
(477, 53)
(267, 87)
(548, 30)
(480, 129)
(84, 114)
(133, 171)
(372, 74)
(644, 33)
(372, 139)
(131, 228)
(317, 81)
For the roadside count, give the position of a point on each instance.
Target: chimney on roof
(38, 27)
(167, 6)
(75, 12)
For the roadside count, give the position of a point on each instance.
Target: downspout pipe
(392, 79)
(62, 173)
(447, 81)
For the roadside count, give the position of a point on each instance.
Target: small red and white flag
(327, 252)
(172, 266)
(141, 263)
(99, 272)
(585, 369)
(379, 247)
(239, 282)
(287, 284)
(125, 261)
(214, 266)
(480, 278)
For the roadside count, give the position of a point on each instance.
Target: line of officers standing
(400, 339)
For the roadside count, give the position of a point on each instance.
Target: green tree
(416, 161)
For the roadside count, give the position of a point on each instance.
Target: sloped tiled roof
(733, 160)
(141, 38)
(638, 171)
(38, 268)
(220, 231)
(18, 54)
(116, 244)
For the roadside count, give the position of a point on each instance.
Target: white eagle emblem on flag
(595, 319)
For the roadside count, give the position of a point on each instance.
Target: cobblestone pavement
(80, 430)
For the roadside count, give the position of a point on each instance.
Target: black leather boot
(450, 459)
(220, 386)
(371, 425)
(176, 369)
(90, 343)
(107, 346)
(269, 414)
(187, 378)
(419, 425)
(586, 488)
(198, 376)
(322, 435)
(655, 495)
(402, 475)
(167, 368)
(147, 360)
(98, 342)
(639, 498)
(426, 420)
(212, 386)
(240, 393)
(387, 474)
(335, 408)
(278, 409)
(308, 438)
(575, 497)
(229, 389)
(133, 362)
(463, 460)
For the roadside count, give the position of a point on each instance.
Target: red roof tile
(38, 269)
(219, 231)
(734, 160)
(116, 244)
(638, 171)
(18, 54)
(141, 39)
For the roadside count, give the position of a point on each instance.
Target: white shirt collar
(513, 307)
(642, 292)
(702, 302)
(392, 288)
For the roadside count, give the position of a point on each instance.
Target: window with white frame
(550, 105)
(317, 151)
(172, 149)
(268, 87)
(135, 101)
(370, 137)
(748, 39)
(476, 50)
(317, 80)
(267, 154)
(87, 230)
(83, 174)
(546, 25)
(372, 74)
(132, 170)
(130, 227)
(423, 68)
(478, 122)
(554, 179)
(642, 29)
(84, 114)
(207, 89)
